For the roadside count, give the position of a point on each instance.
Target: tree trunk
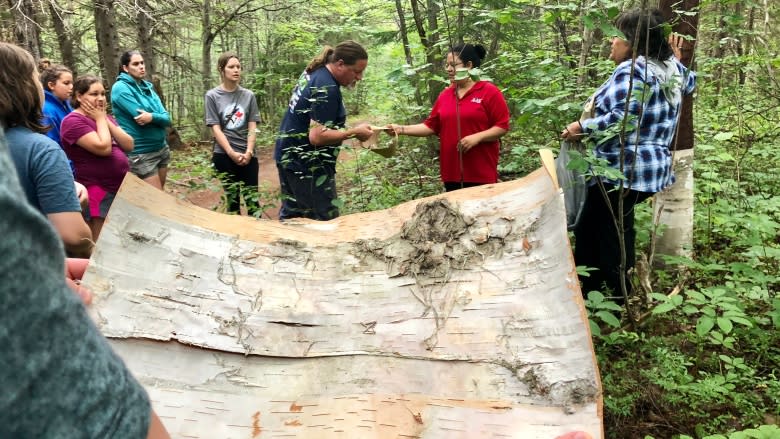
(563, 40)
(145, 44)
(26, 27)
(172, 136)
(674, 206)
(588, 38)
(407, 48)
(673, 212)
(399, 9)
(739, 46)
(457, 315)
(64, 37)
(207, 38)
(719, 48)
(459, 22)
(107, 40)
(428, 41)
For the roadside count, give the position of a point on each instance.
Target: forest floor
(192, 179)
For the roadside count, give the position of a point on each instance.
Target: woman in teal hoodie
(140, 112)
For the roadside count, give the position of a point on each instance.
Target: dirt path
(269, 179)
(211, 196)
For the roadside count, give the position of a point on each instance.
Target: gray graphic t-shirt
(232, 111)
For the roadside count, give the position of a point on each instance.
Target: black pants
(308, 194)
(450, 186)
(597, 243)
(238, 180)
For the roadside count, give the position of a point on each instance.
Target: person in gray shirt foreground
(58, 375)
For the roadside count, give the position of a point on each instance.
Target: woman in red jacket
(469, 117)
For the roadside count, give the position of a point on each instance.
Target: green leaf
(587, 21)
(658, 296)
(704, 325)
(742, 321)
(725, 325)
(608, 318)
(724, 136)
(708, 311)
(594, 328)
(695, 295)
(595, 297)
(664, 307)
(610, 305)
(320, 180)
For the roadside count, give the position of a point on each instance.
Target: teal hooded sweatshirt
(127, 97)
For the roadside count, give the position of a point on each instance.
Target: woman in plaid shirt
(633, 121)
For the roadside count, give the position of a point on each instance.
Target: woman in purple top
(97, 146)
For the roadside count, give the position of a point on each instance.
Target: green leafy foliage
(703, 362)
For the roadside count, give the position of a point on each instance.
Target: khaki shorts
(146, 165)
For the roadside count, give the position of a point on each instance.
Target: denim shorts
(146, 165)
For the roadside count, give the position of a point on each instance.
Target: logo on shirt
(234, 116)
(303, 80)
(476, 100)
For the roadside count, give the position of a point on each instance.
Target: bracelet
(582, 130)
(402, 129)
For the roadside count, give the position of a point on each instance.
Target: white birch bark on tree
(453, 316)
(673, 207)
(673, 211)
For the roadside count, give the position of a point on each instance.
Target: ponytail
(320, 60)
(348, 51)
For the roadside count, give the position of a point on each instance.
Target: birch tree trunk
(674, 206)
(673, 211)
(453, 316)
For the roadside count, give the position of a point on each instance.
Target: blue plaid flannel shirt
(648, 162)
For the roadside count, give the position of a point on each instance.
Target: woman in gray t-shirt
(232, 115)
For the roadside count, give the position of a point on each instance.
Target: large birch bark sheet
(452, 316)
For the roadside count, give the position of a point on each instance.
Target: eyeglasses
(454, 65)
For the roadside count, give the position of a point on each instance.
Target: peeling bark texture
(455, 316)
(673, 211)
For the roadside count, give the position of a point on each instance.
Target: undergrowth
(705, 363)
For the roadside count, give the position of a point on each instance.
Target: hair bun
(481, 51)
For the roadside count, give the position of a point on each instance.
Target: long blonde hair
(348, 51)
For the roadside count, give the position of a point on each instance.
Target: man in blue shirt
(313, 129)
